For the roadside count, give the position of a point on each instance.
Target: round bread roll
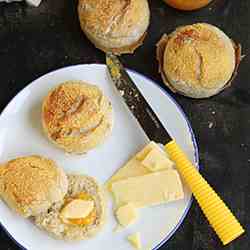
(30, 185)
(198, 60)
(79, 186)
(117, 26)
(76, 116)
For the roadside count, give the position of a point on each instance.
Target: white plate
(21, 134)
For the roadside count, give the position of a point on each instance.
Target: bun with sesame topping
(76, 116)
(31, 184)
(117, 26)
(198, 60)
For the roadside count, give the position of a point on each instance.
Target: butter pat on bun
(117, 26)
(59, 226)
(198, 60)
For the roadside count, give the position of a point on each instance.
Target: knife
(218, 214)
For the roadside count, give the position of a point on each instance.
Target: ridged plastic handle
(218, 214)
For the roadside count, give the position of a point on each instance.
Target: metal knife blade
(136, 102)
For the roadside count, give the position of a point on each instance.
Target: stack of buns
(36, 188)
(77, 116)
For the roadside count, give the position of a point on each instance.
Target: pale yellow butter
(118, 228)
(157, 160)
(134, 166)
(126, 214)
(76, 209)
(131, 169)
(135, 240)
(151, 189)
(145, 151)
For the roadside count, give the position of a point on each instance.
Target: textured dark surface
(34, 41)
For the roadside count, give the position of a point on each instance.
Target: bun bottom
(51, 222)
(129, 49)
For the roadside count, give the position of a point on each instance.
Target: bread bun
(76, 116)
(117, 26)
(57, 228)
(30, 185)
(198, 60)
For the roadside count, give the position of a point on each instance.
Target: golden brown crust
(65, 105)
(238, 58)
(30, 185)
(117, 26)
(196, 60)
(77, 116)
(160, 49)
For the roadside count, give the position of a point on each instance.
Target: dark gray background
(34, 41)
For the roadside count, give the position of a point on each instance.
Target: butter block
(151, 189)
(144, 152)
(126, 214)
(134, 166)
(157, 160)
(77, 208)
(135, 240)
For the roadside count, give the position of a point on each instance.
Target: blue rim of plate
(196, 151)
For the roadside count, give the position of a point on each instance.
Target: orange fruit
(187, 4)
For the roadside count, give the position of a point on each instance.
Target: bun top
(30, 185)
(72, 106)
(114, 23)
(198, 60)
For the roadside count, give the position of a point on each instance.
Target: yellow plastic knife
(218, 214)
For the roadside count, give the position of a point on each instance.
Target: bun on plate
(76, 116)
(31, 184)
(56, 220)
